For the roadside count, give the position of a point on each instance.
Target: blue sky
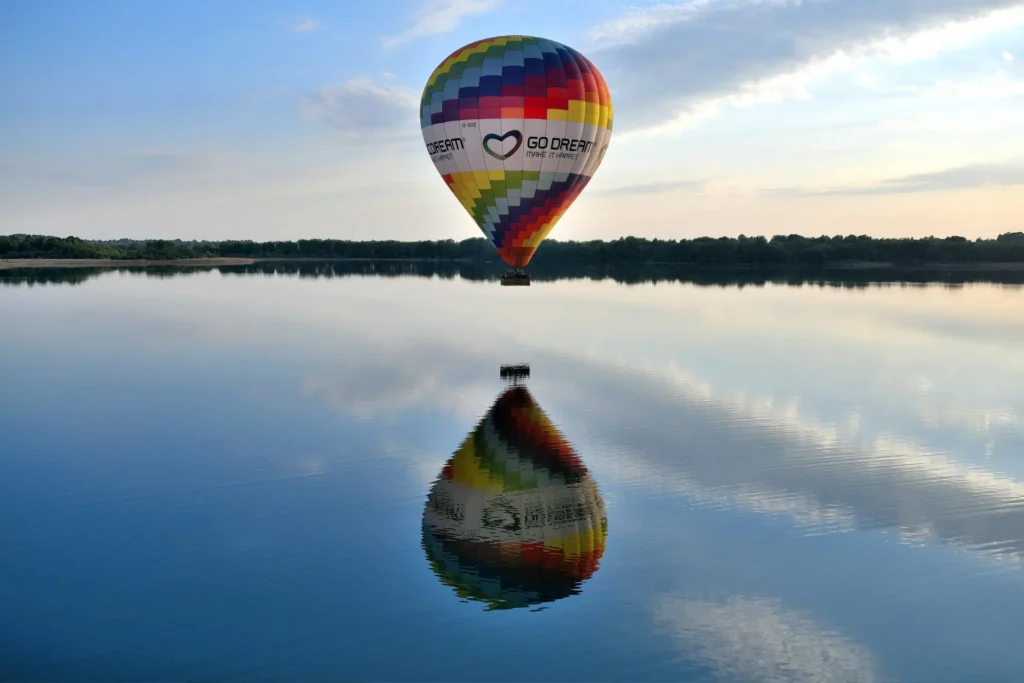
(275, 120)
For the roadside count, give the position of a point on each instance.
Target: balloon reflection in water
(514, 519)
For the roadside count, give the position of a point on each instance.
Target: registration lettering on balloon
(534, 117)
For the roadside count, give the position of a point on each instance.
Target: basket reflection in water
(514, 519)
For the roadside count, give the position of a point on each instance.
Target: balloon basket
(515, 373)
(515, 278)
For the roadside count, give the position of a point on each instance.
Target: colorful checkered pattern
(516, 126)
(514, 519)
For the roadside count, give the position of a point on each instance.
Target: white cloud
(896, 486)
(1007, 57)
(360, 109)
(994, 87)
(657, 187)
(865, 79)
(369, 392)
(824, 476)
(672, 65)
(429, 377)
(758, 639)
(959, 178)
(951, 35)
(441, 16)
(307, 25)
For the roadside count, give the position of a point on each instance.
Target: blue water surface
(220, 476)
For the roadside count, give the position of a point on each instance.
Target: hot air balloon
(516, 126)
(514, 519)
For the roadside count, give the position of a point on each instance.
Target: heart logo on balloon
(501, 138)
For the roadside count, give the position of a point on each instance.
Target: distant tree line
(43, 246)
(793, 250)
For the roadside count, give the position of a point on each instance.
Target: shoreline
(9, 264)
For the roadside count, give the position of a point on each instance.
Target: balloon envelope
(515, 518)
(516, 126)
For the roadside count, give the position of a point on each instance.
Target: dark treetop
(779, 250)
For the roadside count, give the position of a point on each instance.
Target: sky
(252, 119)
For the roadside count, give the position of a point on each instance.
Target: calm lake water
(231, 475)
